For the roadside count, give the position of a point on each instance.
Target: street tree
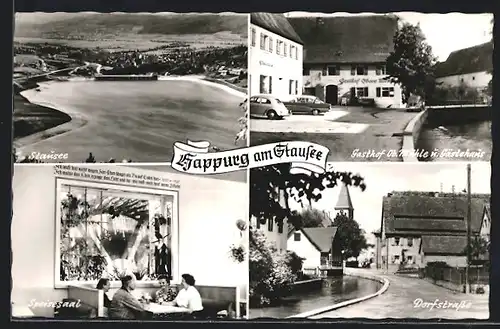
(272, 187)
(311, 217)
(477, 248)
(351, 236)
(411, 63)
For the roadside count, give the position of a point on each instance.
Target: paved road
(398, 302)
(342, 130)
(137, 120)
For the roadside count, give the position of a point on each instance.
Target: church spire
(344, 200)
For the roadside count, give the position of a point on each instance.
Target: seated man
(165, 293)
(124, 305)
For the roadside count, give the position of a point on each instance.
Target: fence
(456, 276)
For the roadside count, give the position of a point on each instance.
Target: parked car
(306, 104)
(268, 106)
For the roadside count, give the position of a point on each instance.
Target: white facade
(273, 233)
(303, 247)
(485, 227)
(275, 64)
(391, 251)
(477, 80)
(332, 82)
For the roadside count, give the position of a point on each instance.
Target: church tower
(344, 203)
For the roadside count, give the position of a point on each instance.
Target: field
(124, 31)
(31, 118)
(143, 42)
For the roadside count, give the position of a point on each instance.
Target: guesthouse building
(421, 227)
(275, 56)
(344, 59)
(469, 67)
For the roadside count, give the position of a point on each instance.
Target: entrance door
(332, 94)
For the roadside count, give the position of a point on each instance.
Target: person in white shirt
(189, 297)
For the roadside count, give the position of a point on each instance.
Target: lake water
(139, 120)
(334, 290)
(473, 136)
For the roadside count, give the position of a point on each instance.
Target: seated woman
(189, 297)
(104, 285)
(165, 293)
(124, 305)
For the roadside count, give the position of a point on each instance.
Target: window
(380, 70)
(296, 87)
(253, 36)
(270, 225)
(105, 231)
(359, 70)
(410, 259)
(280, 227)
(271, 44)
(396, 259)
(290, 87)
(306, 71)
(265, 86)
(279, 45)
(473, 78)
(285, 48)
(291, 51)
(263, 41)
(257, 220)
(296, 53)
(296, 236)
(333, 70)
(410, 242)
(385, 92)
(362, 92)
(396, 241)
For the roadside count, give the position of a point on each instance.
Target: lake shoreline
(76, 119)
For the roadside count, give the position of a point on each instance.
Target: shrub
(271, 275)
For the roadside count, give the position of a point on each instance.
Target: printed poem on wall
(115, 175)
(194, 158)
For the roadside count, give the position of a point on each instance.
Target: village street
(398, 302)
(342, 130)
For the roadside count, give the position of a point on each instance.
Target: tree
(478, 247)
(271, 274)
(351, 237)
(272, 186)
(411, 64)
(311, 217)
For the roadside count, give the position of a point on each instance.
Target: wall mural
(109, 234)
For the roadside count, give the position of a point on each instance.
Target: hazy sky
(382, 178)
(444, 32)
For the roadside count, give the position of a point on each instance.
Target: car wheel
(271, 114)
(315, 112)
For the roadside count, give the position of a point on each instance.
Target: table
(158, 309)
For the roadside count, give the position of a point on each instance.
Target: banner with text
(195, 158)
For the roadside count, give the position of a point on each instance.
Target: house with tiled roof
(344, 58)
(471, 67)
(275, 56)
(420, 227)
(317, 246)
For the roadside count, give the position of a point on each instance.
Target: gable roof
(352, 39)
(344, 200)
(320, 237)
(469, 60)
(429, 213)
(276, 23)
(443, 245)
